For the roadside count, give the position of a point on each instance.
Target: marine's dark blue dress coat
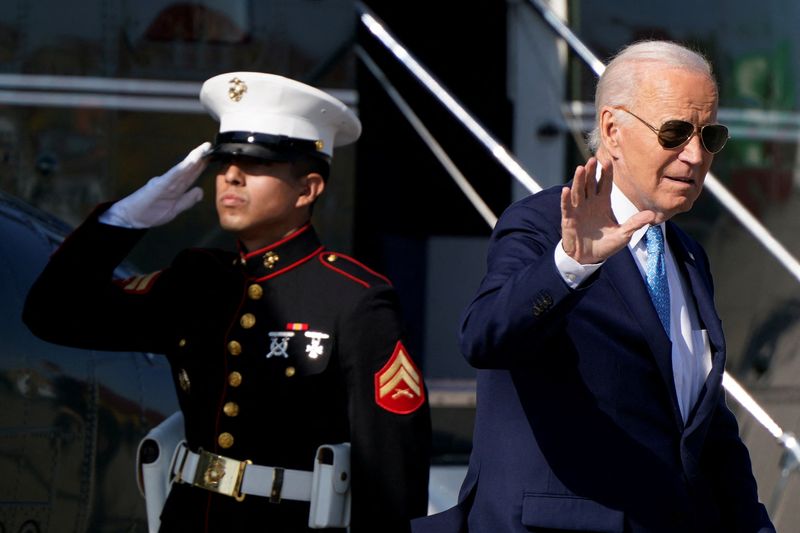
(251, 383)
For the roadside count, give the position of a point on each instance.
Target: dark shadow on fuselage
(71, 419)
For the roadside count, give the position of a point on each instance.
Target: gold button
(225, 440)
(234, 379)
(231, 409)
(255, 292)
(234, 348)
(289, 371)
(248, 320)
(182, 343)
(331, 258)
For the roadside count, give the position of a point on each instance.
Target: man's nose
(693, 152)
(233, 174)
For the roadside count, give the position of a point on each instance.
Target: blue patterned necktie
(656, 273)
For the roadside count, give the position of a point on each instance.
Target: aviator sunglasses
(676, 133)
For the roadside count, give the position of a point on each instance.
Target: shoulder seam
(365, 267)
(349, 275)
(342, 272)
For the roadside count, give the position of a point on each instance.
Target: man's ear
(609, 132)
(312, 186)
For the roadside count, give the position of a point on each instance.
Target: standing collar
(299, 246)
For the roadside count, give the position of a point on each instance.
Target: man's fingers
(591, 177)
(566, 202)
(567, 235)
(194, 159)
(578, 190)
(191, 197)
(606, 179)
(187, 171)
(198, 153)
(639, 220)
(584, 183)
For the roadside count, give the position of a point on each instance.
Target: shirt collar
(624, 209)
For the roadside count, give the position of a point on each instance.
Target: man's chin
(230, 226)
(677, 206)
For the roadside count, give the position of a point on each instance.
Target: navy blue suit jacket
(577, 424)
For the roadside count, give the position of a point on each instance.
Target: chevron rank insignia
(398, 385)
(138, 284)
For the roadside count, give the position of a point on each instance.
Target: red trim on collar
(293, 265)
(289, 237)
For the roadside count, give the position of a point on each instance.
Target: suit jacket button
(234, 379)
(542, 303)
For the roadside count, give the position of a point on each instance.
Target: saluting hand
(589, 231)
(162, 198)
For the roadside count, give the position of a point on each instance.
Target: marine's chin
(228, 222)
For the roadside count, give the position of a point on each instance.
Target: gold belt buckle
(220, 474)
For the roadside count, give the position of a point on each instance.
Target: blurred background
(98, 96)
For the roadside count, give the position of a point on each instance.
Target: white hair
(622, 78)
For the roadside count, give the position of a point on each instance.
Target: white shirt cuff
(572, 272)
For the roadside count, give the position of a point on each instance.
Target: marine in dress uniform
(274, 351)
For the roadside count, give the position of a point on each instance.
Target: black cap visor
(263, 146)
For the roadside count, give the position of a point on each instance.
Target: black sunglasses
(676, 133)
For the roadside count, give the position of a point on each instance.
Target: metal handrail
(429, 140)
(500, 152)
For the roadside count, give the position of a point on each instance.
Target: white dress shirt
(691, 351)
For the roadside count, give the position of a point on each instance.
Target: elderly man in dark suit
(601, 355)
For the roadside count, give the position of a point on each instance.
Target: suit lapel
(703, 301)
(700, 291)
(624, 276)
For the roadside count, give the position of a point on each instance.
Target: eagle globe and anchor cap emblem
(237, 89)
